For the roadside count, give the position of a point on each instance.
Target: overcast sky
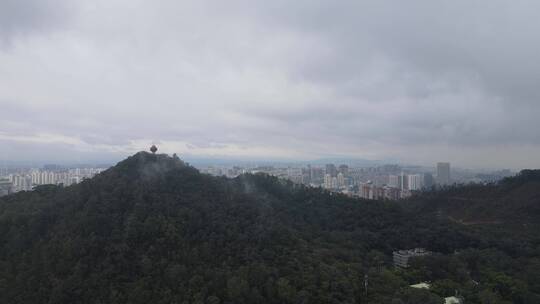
(414, 81)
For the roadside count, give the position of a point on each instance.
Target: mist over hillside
(152, 229)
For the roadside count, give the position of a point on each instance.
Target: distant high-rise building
(341, 180)
(415, 182)
(328, 181)
(306, 175)
(52, 178)
(44, 178)
(331, 169)
(428, 180)
(335, 183)
(317, 175)
(344, 169)
(5, 187)
(366, 190)
(35, 175)
(393, 181)
(443, 173)
(403, 181)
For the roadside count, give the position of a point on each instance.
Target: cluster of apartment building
(404, 184)
(381, 182)
(398, 186)
(26, 180)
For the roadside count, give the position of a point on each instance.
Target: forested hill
(152, 229)
(514, 200)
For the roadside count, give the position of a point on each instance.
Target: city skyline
(202, 160)
(375, 181)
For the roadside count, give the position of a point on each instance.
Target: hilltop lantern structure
(153, 149)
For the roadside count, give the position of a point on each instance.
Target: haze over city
(418, 83)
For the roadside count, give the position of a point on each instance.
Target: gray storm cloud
(31, 16)
(420, 81)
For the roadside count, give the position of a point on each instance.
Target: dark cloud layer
(419, 81)
(31, 16)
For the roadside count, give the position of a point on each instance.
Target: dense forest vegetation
(152, 229)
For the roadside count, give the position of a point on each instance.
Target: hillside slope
(514, 200)
(154, 230)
